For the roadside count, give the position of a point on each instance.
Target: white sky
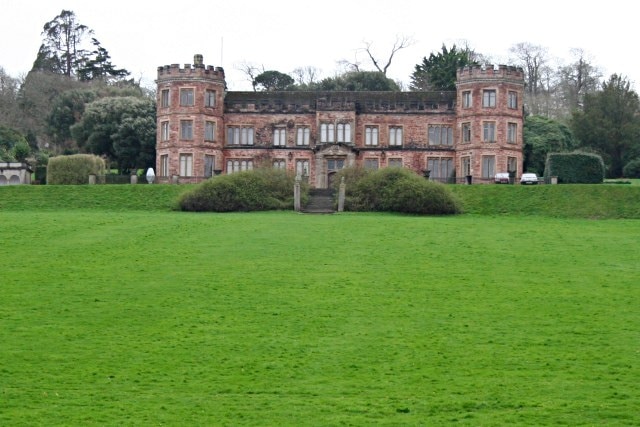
(285, 34)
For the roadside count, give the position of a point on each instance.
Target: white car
(529, 178)
(502, 178)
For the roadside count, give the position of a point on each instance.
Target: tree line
(75, 100)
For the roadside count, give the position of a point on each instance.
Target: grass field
(111, 316)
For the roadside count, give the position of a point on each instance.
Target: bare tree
(401, 42)
(251, 71)
(578, 78)
(534, 60)
(305, 76)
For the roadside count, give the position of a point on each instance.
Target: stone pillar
(92, 179)
(134, 179)
(341, 193)
(174, 179)
(296, 194)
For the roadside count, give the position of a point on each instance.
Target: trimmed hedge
(256, 190)
(74, 169)
(575, 168)
(396, 190)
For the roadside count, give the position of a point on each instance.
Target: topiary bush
(398, 190)
(74, 169)
(575, 168)
(632, 169)
(255, 190)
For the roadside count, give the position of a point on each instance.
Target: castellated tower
(190, 126)
(489, 120)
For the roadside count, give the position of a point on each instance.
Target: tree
(577, 79)
(61, 50)
(100, 67)
(13, 145)
(9, 113)
(438, 72)
(359, 81)
(250, 70)
(120, 128)
(66, 110)
(534, 60)
(541, 137)
(401, 42)
(273, 81)
(305, 76)
(64, 51)
(610, 123)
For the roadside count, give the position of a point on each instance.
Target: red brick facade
(204, 130)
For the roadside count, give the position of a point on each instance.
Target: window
(466, 132)
(488, 167)
(209, 131)
(302, 167)
(371, 164)
(186, 164)
(327, 132)
(186, 97)
(238, 165)
(513, 100)
(466, 165)
(371, 135)
(489, 131)
(164, 131)
(279, 137)
(441, 168)
(279, 164)
(467, 101)
(186, 129)
(512, 133)
(344, 132)
(440, 135)
(302, 136)
(210, 98)
(164, 98)
(512, 164)
(335, 164)
(239, 135)
(489, 98)
(164, 165)
(395, 136)
(209, 165)
(395, 162)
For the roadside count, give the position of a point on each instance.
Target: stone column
(341, 193)
(296, 194)
(92, 179)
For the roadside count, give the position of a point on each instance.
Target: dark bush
(74, 169)
(256, 190)
(397, 190)
(632, 169)
(575, 168)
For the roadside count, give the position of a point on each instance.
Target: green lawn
(168, 318)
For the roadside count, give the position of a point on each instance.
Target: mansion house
(205, 130)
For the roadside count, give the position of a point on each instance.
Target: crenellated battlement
(195, 70)
(490, 72)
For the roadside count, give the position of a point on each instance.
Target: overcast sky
(283, 35)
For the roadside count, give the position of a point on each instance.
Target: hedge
(575, 168)
(74, 169)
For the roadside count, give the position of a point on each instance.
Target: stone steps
(320, 201)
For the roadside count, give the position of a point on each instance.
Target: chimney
(198, 60)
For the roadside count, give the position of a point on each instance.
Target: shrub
(256, 190)
(398, 190)
(632, 169)
(74, 169)
(575, 168)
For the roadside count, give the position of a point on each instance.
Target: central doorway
(333, 166)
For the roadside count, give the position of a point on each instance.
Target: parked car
(502, 178)
(529, 178)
